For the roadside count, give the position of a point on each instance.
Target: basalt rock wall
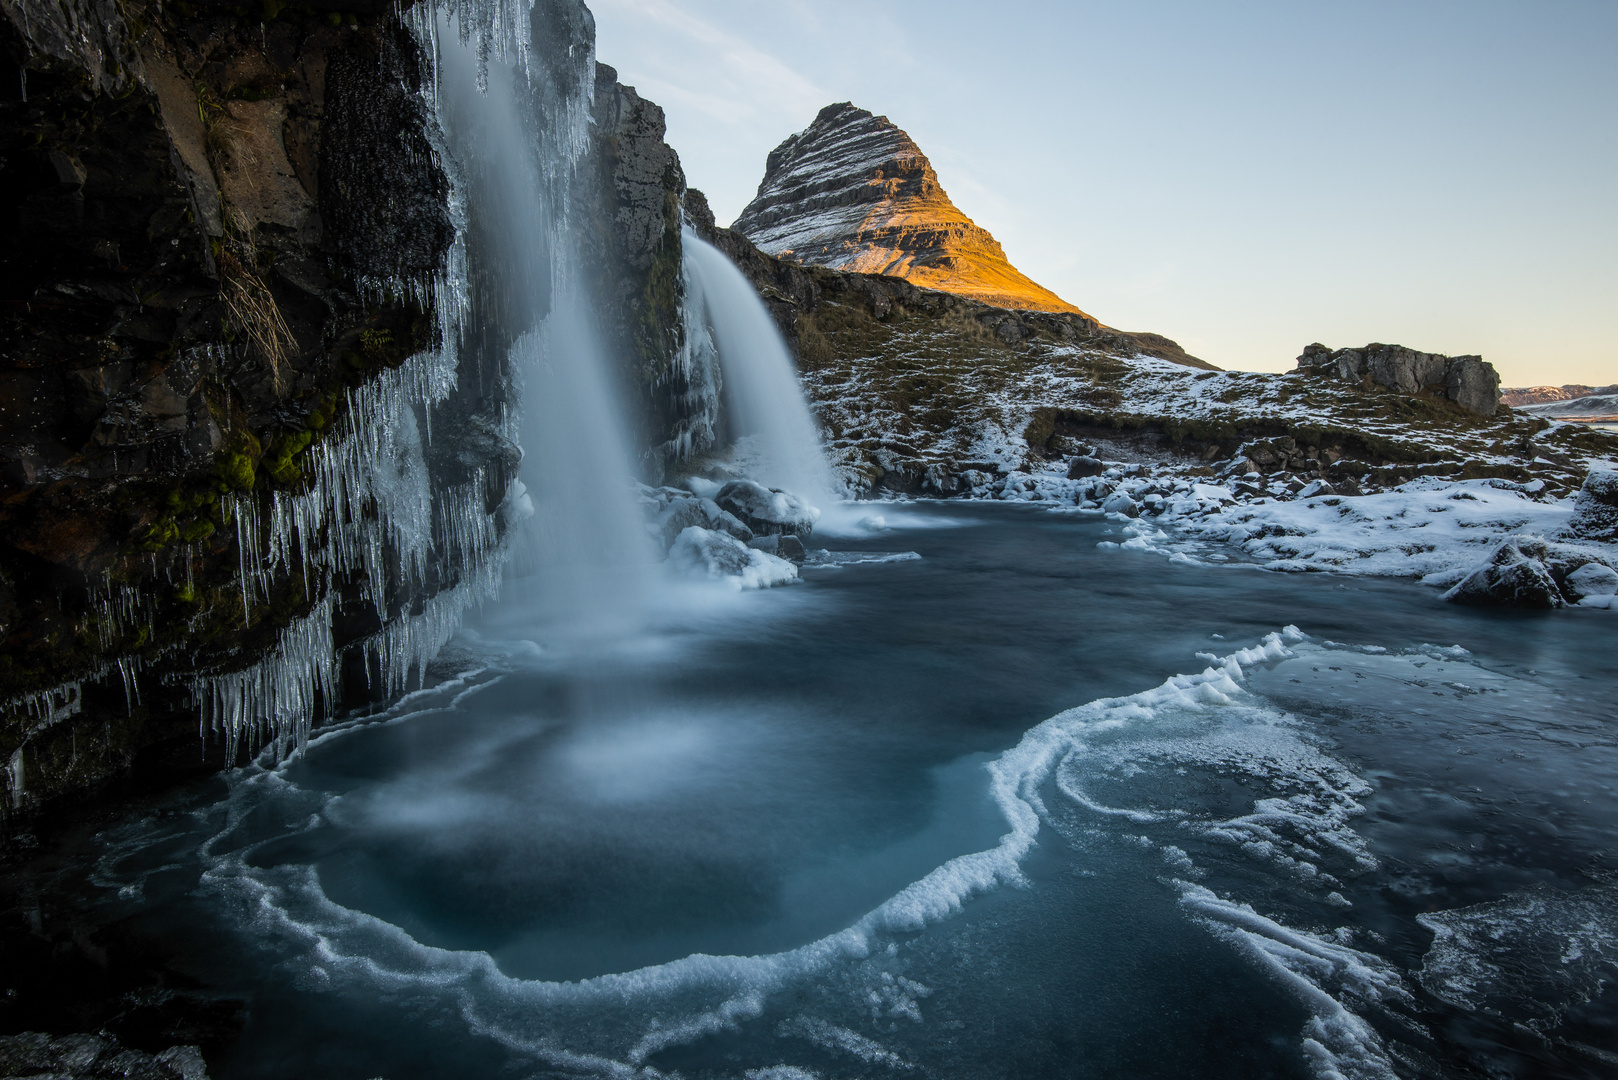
(224, 230)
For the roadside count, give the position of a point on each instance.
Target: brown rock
(854, 192)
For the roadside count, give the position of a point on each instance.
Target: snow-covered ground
(1435, 530)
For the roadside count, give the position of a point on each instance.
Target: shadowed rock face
(854, 192)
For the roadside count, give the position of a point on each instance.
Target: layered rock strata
(854, 192)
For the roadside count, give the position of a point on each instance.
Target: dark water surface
(825, 831)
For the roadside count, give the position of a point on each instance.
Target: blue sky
(1245, 178)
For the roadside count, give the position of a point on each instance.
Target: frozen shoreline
(1435, 531)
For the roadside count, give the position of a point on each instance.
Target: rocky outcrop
(224, 229)
(1465, 380)
(636, 258)
(854, 192)
(94, 1057)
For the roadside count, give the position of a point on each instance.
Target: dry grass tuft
(252, 311)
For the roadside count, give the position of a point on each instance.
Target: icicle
(277, 698)
(14, 778)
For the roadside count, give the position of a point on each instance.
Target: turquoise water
(832, 830)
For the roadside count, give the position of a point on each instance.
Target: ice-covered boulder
(768, 511)
(782, 545)
(1527, 571)
(1595, 511)
(709, 553)
(1509, 579)
(1591, 579)
(1119, 502)
(684, 513)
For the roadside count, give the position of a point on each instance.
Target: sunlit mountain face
(854, 192)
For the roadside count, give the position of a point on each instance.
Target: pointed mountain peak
(852, 191)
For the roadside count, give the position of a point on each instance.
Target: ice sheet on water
(1528, 956)
(613, 1023)
(822, 559)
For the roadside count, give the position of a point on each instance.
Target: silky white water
(763, 400)
(582, 563)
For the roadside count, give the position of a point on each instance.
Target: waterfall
(511, 125)
(583, 559)
(763, 401)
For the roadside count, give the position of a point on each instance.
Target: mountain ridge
(854, 192)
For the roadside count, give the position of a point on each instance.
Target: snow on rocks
(1592, 585)
(684, 513)
(1529, 572)
(1443, 532)
(1595, 510)
(768, 511)
(718, 555)
(1420, 529)
(707, 541)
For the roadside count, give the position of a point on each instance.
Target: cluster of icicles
(367, 497)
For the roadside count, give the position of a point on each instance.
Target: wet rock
(782, 545)
(1083, 466)
(1595, 511)
(94, 1057)
(768, 511)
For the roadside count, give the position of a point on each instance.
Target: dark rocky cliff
(224, 231)
(232, 253)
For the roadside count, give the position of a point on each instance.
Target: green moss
(279, 461)
(196, 530)
(158, 535)
(236, 470)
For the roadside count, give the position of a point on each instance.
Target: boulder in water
(782, 545)
(1511, 578)
(702, 513)
(768, 511)
(712, 554)
(1591, 579)
(1120, 503)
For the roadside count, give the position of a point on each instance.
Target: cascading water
(583, 559)
(762, 397)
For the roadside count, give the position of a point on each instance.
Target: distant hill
(1603, 406)
(1517, 396)
(854, 192)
